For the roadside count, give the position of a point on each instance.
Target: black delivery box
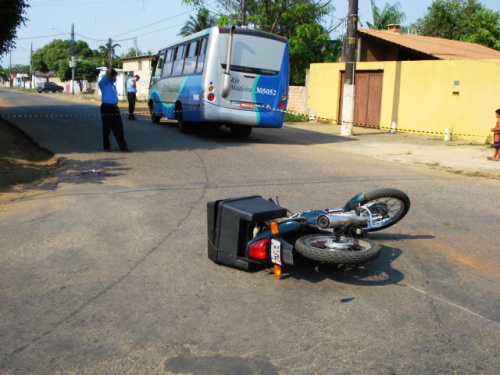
(230, 227)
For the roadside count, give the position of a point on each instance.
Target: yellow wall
(419, 95)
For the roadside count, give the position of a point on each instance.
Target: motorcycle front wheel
(388, 206)
(324, 248)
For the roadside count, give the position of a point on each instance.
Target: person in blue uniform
(110, 113)
(132, 95)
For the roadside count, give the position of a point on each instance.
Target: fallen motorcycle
(251, 232)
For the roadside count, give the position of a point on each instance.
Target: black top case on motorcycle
(230, 226)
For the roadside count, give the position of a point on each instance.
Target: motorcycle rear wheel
(323, 248)
(391, 204)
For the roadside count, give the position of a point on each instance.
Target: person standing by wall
(132, 95)
(110, 113)
(496, 138)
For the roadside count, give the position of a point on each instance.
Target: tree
(465, 20)
(109, 51)
(20, 69)
(298, 20)
(132, 52)
(86, 71)
(55, 56)
(11, 17)
(390, 14)
(48, 57)
(3, 74)
(274, 16)
(203, 21)
(309, 44)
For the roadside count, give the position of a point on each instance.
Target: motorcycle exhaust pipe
(327, 221)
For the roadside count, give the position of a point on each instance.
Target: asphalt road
(108, 272)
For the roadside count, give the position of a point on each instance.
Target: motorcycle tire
(393, 205)
(323, 248)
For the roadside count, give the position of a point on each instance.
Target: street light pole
(72, 61)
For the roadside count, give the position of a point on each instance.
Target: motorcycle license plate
(276, 252)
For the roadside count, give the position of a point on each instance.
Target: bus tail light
(211, 97)
(281, 105)
(258, 249)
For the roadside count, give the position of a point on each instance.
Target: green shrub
(295, 117)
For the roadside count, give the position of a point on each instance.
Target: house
(392, 45)
(420, 84)
(141, 66)
(39, 77)
(21, 80)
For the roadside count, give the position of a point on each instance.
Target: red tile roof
(443, 49)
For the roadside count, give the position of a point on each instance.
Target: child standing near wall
(496, 138)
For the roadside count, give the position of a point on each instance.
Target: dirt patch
(22, 160)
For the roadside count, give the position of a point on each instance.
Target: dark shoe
(126, 150)
(107, 150)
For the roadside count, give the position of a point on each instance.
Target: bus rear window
(248, 51)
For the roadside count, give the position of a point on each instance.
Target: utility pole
(10, 69)
(244, 13)
(72, 63)
(350, 70)
(31, 66)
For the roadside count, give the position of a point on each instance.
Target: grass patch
(293, 117)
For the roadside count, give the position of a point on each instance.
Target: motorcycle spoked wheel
(323, 248)
(391, 204)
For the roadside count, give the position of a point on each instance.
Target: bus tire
(154, 119)
(183, 126)
(241, 131)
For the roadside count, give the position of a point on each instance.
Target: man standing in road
(110, 113)
(132, 95)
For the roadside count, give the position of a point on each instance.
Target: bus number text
(264, 91)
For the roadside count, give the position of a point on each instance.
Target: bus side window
(190, 63)
(159, 67)
(168, 64)
(200, 51)
(178, 61)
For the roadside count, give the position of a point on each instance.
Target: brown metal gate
(367, 98)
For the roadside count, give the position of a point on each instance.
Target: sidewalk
(459, 157)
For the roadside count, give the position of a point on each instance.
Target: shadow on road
(65, 127)
(75, 172)
(375, 273)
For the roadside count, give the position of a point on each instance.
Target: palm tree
(109, 50)
(389, 15)
(202, 21)
(3, 74)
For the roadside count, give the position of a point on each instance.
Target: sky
(151, 24)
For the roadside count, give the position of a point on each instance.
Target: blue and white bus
(222, 76)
